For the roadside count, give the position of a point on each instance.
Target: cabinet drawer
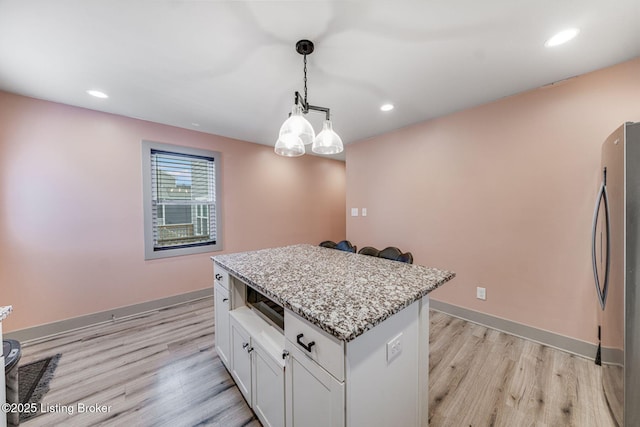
(221, 276)
(323, 348)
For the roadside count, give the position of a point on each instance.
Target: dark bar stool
(369, 250)
(346, 246)
(395, 254)
(343, 245)
(328, 244)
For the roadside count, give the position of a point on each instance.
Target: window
(181, 208)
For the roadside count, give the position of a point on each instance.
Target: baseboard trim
(48, 329)
(550, 339)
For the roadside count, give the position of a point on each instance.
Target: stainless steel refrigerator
(616, 264)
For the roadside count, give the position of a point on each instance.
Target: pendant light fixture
(296, 131)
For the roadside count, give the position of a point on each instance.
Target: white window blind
(183, 200)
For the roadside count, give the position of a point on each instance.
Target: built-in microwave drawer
(221, 276)
(323, 348)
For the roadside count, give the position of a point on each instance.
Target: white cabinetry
(257, 365)
(383, 384)
(315, 389)
(316, 344)
(314, 398)
(359, 383)
(221, 276)
(241, 359)
(306, 377)
(268, 387)
(221, 302)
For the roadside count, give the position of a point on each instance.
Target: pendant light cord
(305, 80)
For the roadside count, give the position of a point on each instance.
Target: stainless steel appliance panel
(616, 259)
(632, 296)
(612, 231)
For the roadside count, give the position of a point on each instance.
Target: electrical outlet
(394, 348)
(481, 293)
(354, 211)
(364, 211)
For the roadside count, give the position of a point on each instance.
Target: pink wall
(502, 194)
(72, 217)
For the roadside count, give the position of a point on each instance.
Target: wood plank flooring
(482, 377)
(161, 369)
(155, 369)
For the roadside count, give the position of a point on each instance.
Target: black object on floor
(34, 381)
(12, 353)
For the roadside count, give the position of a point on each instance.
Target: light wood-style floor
(482, 377)
(161, 368)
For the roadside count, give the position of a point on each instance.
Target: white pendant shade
(297, 125)
(327, 141)
(289, 145)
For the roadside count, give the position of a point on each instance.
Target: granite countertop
(343, 293)
(4, 312)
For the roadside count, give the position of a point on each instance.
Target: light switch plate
(354, 211)
(364, 211)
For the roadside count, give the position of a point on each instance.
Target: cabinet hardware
(225, 299)
(245, 345)
(285, 354)
(218, 276)
(305, 346)
(250, 349)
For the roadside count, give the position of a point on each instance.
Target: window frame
(149, 250)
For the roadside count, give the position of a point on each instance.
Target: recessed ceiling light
(562, 37)
(195, 124)
(386, 107)
(97, 94)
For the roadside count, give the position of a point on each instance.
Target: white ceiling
(232, 68)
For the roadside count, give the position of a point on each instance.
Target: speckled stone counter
(343, 293)
(4, 312)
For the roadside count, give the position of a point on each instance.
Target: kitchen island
(316, 336)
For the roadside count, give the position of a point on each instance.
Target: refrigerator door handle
(601, 290)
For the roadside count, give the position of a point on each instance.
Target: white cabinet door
(268, 388)
(241, 358)
(314, 398)
(221, 297)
